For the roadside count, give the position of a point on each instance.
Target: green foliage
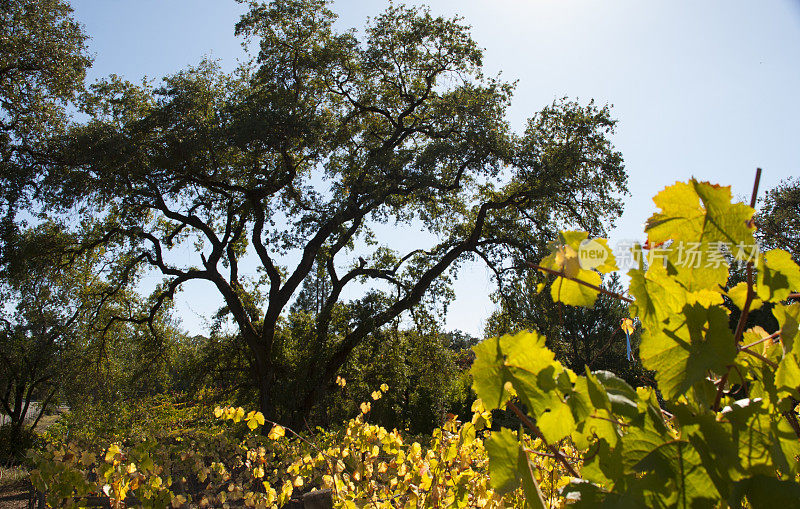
(778, 219)
(43, 61)
(15, 442)
(729, 428)
(134, 420)
(421, 368)
(64, 337)
(425, 368)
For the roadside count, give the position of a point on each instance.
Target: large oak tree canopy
(43, 63)
(302, 150)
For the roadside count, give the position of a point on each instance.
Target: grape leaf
(534, 499)
(788, 317)
(656, 295)
(503, 450)
(787, 376)
(557, 423)
(678, 462)
(686, 347)
(777, 277)
(738, 295)
(695, 270)
(524, 362)
(565, 257)
(699, 212)
(766, 491)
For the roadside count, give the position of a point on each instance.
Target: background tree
(423, 368)
(778, 220)
(298, 156)
(42, 306)
(43, 62)
(59, 336)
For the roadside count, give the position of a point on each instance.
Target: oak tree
(295, 159)
(43, 62)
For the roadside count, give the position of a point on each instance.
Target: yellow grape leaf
(566, 259)
(218, 411)
(276, 432)
(376, 395)
(113, 450)
(738, 294)
(238, 414)
(699, 212)
(254, 419)
(341, 382)
(384, 387)
(365, 407)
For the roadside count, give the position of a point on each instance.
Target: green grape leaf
(489, 374)
(581, 493)
(766, 491)
(686, 347)
(601, 424)
(777, 276)
(699, 212)
(602, 464)
(522, 361)
(787, 376)
(534, 498)
(696, 266)
(738, 295)
(678, 462)
(788, 317)
(557, 423)
(597, 392)
(752, 430)
(579, 400)
(656, 295)
(714, 443)
(503, 450)
(786, 450)
(621, 396)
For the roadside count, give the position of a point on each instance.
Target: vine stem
(536, 431)
(584, 283)
(759, 356)
(774, 335)
(748, 300)
(746, 309)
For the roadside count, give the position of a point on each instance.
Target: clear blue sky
(703, 89)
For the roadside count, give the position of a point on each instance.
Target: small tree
(37, 340)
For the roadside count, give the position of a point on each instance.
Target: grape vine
(724, 427)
